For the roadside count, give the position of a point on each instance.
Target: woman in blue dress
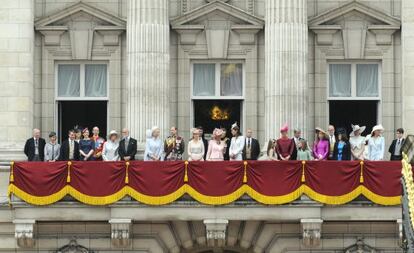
(86, 146)
(154, 146)
(342, 148)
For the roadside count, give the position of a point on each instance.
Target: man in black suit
(396, 145)
(251, 150)
(69, 150)
(127, 146)
(297, 133)
(35, 147)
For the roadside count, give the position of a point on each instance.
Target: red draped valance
(213, 183)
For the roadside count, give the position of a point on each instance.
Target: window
(82, 81)
(217, 80)
(354, 81)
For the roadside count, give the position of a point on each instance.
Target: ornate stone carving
(360, 247)
(73, 247)
(312, 230)
(120, 232)
(216, 232)
(209, 1)
(24, 233)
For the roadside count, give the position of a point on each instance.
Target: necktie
(399, 142)
(248, 143)
(36, 143)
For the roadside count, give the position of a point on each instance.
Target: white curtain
(95, 80)
(69, 80)
(204, 76)
(367, 80)
(231, 82)
(340, 80)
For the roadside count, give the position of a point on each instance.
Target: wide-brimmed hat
(284, 128)
(113, 132)
(376, 128)
(318, 129)
(355, 128)
(217, 132)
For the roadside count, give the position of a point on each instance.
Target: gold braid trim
(245, 172)
(11, 172)
(155, 201)
(332, 200)
(361, 178)
(303, 171)
(274, 200)
(215, 200)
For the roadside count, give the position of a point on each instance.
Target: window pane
(68, 80)
(204, 76)
(231, 79)
(95, 80)
(340, 80)
(367, 80)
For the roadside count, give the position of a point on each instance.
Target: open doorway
(212, 114)
(82, 114)
(343, 113)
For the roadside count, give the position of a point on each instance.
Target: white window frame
(353, 80)
(82, 96)
(217, 90)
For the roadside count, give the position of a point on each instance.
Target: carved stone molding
(216, 232)
(52, 34)
(73, 247)
(360, 247)
(312, 230)
(24, 232)
(383, 33)
(120, 232)
(325, 33)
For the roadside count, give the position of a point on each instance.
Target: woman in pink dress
(216, 147)
(321, 145)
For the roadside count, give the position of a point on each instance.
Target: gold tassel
(68, 178)
(185, 172)
(303, 171)
(126, 174)
(361, 178)
(245, 172)
(11, 172)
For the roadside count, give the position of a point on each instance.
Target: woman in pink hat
(216, 147)
(321, 145)
(285, 145)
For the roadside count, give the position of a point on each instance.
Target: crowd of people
(333, 144)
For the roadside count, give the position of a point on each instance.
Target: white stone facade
(36, 35)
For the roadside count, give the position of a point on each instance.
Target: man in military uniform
(174, 146)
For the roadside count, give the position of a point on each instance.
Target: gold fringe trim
(381, 200)
(215, 200)
(36, 200)
(361, 178)
(245, 172)
(332, 200)
(126, 173)
(97, 201)
(12, 172)
(155, 201)
(274, 200)
(303, 171)
(185, 172)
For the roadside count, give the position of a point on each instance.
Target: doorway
(211, 114)
(82, 114)
(343, 113)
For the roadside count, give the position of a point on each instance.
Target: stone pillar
(148, 67)
(16, 76)
(407, 40)
(286, 44)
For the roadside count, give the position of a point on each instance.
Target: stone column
(147, 86)
(16, 76)
(286, 44)
(407, 40)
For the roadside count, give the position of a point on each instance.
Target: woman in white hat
(196, 147)
(376, 144)
(236, 144)
(154, 147)
(110, 148)
(357, 142)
